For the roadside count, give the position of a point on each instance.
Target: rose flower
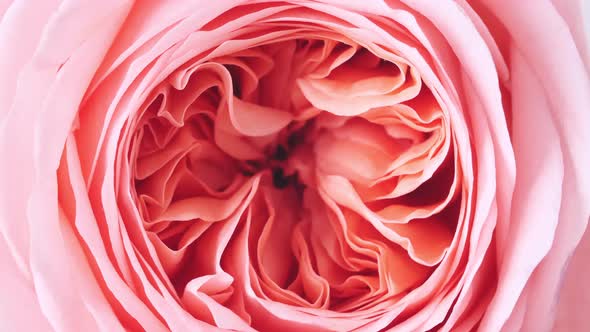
(296, 165)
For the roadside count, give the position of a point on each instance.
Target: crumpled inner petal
(305, 171)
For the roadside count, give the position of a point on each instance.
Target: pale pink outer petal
(574, 300)
(538, 194)
(547, 48)
(4, 4)
(53, 267)
(572, 314)
(49, 88)
(19, 308)
(576, 14)
(20, 31)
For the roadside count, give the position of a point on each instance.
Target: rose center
(279, 159)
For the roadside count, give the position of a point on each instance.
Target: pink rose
(335, 165)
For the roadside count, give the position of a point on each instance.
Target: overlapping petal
(298, 165)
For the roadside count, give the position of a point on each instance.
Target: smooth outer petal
(564, 80)
(576, 13)
(19, 307)
(537, 198)
(574, 298)
(29, 19)
(52, 269)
